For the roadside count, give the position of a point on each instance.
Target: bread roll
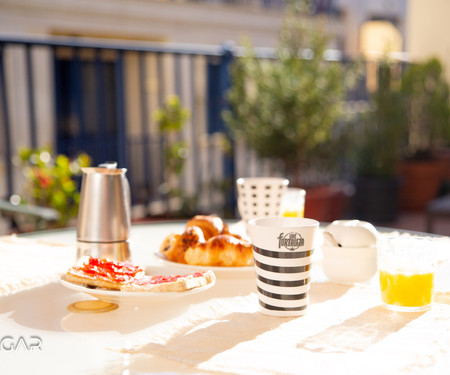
(223, 250)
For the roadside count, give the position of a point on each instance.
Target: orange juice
(406, 290)
(292, 213)
(293, 203)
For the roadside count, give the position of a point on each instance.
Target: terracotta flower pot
(421, 181)
(326, 203)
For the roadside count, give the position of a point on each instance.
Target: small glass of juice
(406, 267)
(293, 203)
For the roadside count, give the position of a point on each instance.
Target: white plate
(135, 298)
(219, 271)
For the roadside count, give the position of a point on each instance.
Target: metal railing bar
(160, 78)
(178, 84)
(6, 125)
(208, 168)
(172, 48)
(100, 95)
(129, 46)
(194, 120)
(161, 100)
(31, 99)
(78, 91)
(144, 118)
(177, 75)
(179, 92)
(120, 109)
(57, 97)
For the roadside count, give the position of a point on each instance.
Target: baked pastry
(223, 250)
(210, 225)
(206, 241)
(178, 283)
(104, 273)
(175, 245)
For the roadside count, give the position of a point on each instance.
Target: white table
(345, 330)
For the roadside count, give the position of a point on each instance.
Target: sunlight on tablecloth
(18, 259)
(345, 331)
(345, 326)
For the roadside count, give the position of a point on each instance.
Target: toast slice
(178, 283)
(104, 273)
(124, 276)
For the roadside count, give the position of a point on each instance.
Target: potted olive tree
(427, 120)
(285, 107)
(378, 138)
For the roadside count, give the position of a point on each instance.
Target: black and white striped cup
(283, 248)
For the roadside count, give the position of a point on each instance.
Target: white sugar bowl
(350, 251)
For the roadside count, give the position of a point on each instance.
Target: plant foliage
(171, 119)
(51, 180)
(426, 107)
(380, 133)
(285, 107)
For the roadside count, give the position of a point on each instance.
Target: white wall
(357, 12)
(184, 22)
(428, 30)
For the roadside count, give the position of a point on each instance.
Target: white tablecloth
(346, 330)
(27, 263)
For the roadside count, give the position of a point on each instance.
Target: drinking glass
(406, 267)
(293, 202)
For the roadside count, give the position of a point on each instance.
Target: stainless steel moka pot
(104, 217)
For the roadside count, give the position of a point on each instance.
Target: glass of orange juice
(293, 202)
(406, 267)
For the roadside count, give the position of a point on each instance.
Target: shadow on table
(45, 308)
(322, 292)
(38, 308)
(187, 345)
(130, 318)
(197, 344)
(126, 319)
(359, 332)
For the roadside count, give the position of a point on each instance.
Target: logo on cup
(290, 241)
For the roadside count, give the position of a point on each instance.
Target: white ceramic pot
(353, 233)
(349, 264)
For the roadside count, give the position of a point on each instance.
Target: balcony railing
(99, 97)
